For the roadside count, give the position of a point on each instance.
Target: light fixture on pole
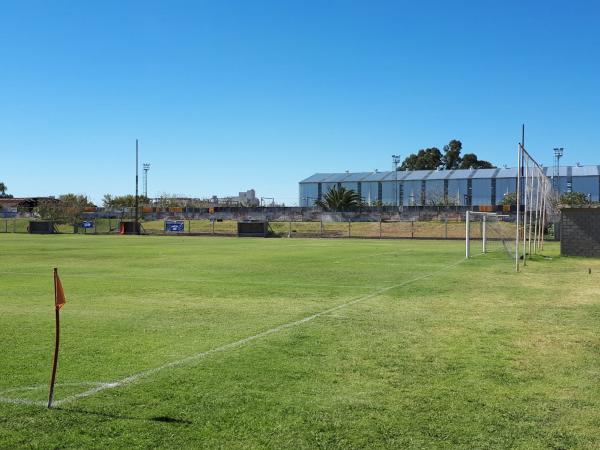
(146, 167)
(558, 153)
(396, 160)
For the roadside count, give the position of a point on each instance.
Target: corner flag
(59, 293)
(59, 301)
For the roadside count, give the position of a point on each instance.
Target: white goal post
(483, 216)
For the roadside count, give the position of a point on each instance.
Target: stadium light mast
(146, 167)
(558, 153)
(396, 161)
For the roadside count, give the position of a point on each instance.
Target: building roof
(459, 174)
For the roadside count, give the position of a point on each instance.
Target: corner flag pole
(59, 301)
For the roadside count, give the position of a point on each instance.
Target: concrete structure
(247, 199)
(437, 187)
(580, 232)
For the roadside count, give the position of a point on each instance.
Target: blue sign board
(175, 226)
(87, 224)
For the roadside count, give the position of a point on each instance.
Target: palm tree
(339, 199)
(3, 189)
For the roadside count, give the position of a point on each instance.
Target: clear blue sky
(230, 95)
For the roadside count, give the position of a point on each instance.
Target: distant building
(247, 198)
(22, 204)
(436, 187)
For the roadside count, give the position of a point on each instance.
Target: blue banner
(87, 224)
(175, 226)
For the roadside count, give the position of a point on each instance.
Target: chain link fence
(323, 226)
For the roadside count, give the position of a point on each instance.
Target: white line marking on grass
(232, 345)
(37, 387)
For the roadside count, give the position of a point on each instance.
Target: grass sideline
(472, 356)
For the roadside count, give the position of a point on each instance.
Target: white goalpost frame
(484, 217)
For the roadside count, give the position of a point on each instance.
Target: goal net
(489, 233)
(536, 205)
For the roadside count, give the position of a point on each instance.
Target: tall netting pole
(537, 209)
(525, 197)
(518, 207)
(540, 208)
(544, 206)
(531, 208)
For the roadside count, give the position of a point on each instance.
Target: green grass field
(200, 342)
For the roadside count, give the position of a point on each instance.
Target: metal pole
(544, 215)
(526, 164)
(537, 213)
(348, 227)
(518, 207)
(467, 236)
(483, 232)
(137, 225)
(530, 211)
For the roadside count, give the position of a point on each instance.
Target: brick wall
(580, 232)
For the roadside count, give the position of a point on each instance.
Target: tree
(339, 199)
(3, 190)
(574, 199)
(107, 200)
(452, 159)
(470, 161)
(432, 159)
(510, 198)
(425, 159)
(123, 201)
(68, 208)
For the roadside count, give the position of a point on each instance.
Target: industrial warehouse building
(435, 187)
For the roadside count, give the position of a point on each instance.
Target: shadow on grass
(163, 419)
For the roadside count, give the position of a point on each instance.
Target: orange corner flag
(59, 294)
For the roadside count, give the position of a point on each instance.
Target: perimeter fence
(323, 225)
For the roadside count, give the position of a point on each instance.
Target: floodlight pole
(146, 167)
(396, 160)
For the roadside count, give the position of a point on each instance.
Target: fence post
(290, 230)
(412, 229)
(213, 227)
(15, 225)
(379, 227)
(321, 226)
(189, 226)
(348, 227)
(446, 228)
